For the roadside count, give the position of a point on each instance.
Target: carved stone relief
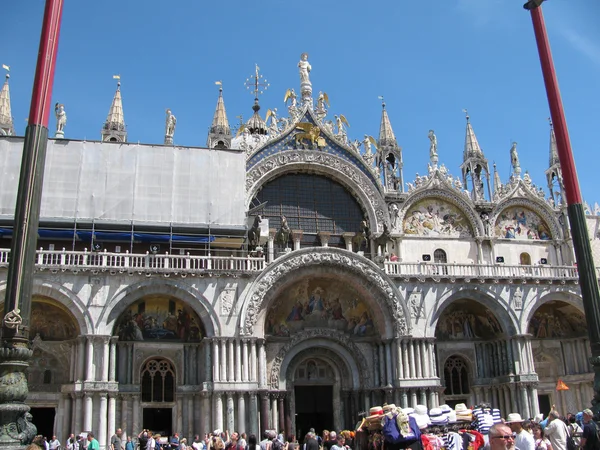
(227, 298)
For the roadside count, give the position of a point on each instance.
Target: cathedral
(285, 277)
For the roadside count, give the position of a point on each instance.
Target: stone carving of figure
(283, 235)
(367, 144)
(514, 159)
(341, 132)
(394, 215)
(304, 69)
(61, 118)
(273, 128)
(433, 155)
(170, 123)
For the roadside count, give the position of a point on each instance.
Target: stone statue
(514, 159)
(433, 155)
(170, 124)
(283, 235)
(367, 144)
(61, 119)
(304, 69)
(273, 127)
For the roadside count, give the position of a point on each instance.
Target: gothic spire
(472, 148)
(6, 121)
(386, 134)
(553, 147)
(219, 134)
(114, 128)
(497, 181)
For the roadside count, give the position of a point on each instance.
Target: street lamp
(588, 281)
(16, 428)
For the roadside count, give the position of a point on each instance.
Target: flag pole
(15, 352)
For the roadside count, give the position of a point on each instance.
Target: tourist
(92, 442)
(116, 442)
(54, 443)
(523, 440)
(501, 437)
(556, 431)
(541, 442)
(129, 445)
(589, 437)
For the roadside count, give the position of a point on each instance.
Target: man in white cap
(556, 431)
(523, 439)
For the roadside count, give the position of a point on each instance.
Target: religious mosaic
(521, 223)
(159, 317)
(320, 303)
(51, 321)
(467, 319)
(433, 217)
(557, 319)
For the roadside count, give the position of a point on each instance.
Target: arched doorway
(456, 381)
(158, 385)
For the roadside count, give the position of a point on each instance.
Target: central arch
(385, 300)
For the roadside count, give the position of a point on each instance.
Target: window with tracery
(456, 376)
(158, 381)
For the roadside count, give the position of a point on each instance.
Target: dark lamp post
(588, 281)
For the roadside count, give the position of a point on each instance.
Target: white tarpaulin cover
(112, 182)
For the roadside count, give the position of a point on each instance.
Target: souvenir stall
(391, 428)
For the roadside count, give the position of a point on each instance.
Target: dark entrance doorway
(314, 409)
(158, 420)
(544, 402)
(43, 419)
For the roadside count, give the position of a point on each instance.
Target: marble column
(89, 409)
(125, 425)
(274, 412)
(411, 354)
(253, 428)
(218, 420)
(105, 356)
(348, 237)
(101, 427)
(80, 360)
(270, 245)
(66, 422)
(231, 361)
(216, 364)
(223, 359)
(431, 398)
(246, 371)
(399, 360)
(388, 364)
(418, 367)
(297, 238)
(241, 415)
(238, 360)
(112, 413)
(230, 410)
(179, 414)
(264, 412)
(59, 417)
(262, 364)
(281, 409)
(112, 372)
(405, 360)
(135, 407)
(253, 361)
(533, 398)
(190, 416)
(424, 362)
(404, 398)
(206, 412)
(524, 402)
(208, 363)
(90, 375)
(413, 397)
(382, 372)
(288, 416)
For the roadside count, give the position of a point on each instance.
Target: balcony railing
(134, 262)
(493, 271)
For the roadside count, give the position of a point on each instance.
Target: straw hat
(420, 416)
(514, 418)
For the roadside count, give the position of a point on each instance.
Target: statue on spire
(170, 123)
(61, 120)
(514, 160)
(433, 155)
(305, 84)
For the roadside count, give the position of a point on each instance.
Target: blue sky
(429, 59)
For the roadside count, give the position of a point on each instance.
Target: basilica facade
(297, 281)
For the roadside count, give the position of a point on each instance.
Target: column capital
(272, 234)
(81, 339)
(103, 395)
(218, 394)
(348, 237)
(114, 339)
(324, 237)
(297, 234)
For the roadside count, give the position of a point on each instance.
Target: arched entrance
(158, 385)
